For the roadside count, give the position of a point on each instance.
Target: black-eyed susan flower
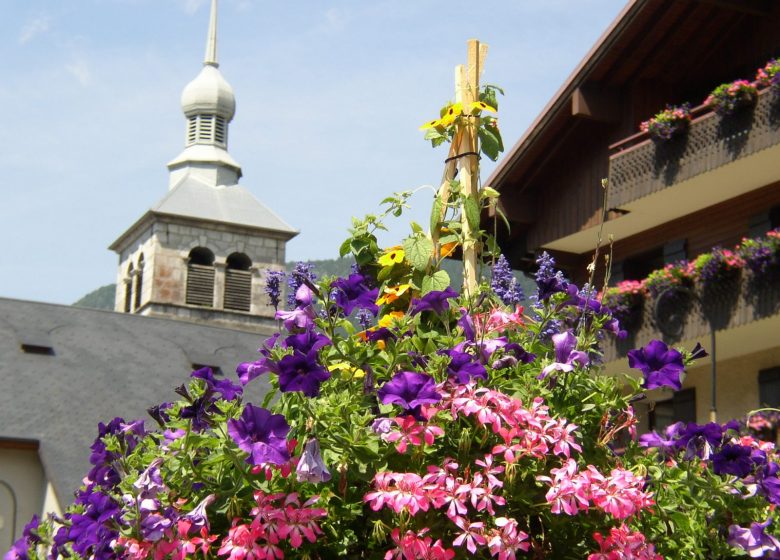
(393, 255)
(431, 124)
(481, 106)
(452, 113)
(392, 293)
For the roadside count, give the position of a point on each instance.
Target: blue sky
(330, 95)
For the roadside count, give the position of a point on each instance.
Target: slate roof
(102, 364)
(232, 204)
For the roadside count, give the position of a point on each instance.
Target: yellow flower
(481, 106)
(431, 124)
(452, 113)
(392, 256)
(392, 293)
(388, 320)
(447, 249)
(347, 370)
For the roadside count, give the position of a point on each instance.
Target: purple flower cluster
(302, 271)
(549, 281)
(754, 540)
(504, 283)
(566, 354)
(273, 286)
(436, 301)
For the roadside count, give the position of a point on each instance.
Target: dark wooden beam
(596, 104)
(752, 7)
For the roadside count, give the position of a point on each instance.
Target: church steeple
(211, 42)
(209, 104)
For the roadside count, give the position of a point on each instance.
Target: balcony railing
(640, 167)
(690, 315)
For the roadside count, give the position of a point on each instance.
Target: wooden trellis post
(463, 158)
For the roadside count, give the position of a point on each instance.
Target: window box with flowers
(769, 75)
(669, 123)
(727, 99)
(626, 301)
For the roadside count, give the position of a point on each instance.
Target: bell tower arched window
(238, 282)
(129, 289)
(200, 277)
(139, 283)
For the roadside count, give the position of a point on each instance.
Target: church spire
(208, 104)
(211, 42)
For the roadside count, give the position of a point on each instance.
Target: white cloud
(33, 28)
(79, 70)
(335, 20)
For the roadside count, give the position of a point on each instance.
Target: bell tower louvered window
(238, 283)
(220, 131)
(200, 277)
(129, 289)
(139, 283)
(207, 129)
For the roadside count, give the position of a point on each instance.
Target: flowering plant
(673, 275)
(668, 123)
(769, 75)
(761, 255)
(716, 266)
(624, 300)
(404, 420)
(728, 98)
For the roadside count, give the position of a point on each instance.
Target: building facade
(663, 202)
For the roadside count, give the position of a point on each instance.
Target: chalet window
(200, 277)
(238, 282)
(139, 283)
(769, 387)
(129, 289)
(639, 266)
(680, 408)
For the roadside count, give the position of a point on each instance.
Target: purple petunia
(247, 371)
(754, 540)
(660, 365)
(261, 434)
(301, 372)
(353, 292)
(699, 440)
(224, 387)
(410, 390)
(566, 354)
(733, 459)
(463, 368)
(436, 301)
(666, 446)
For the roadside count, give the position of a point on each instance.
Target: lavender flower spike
(311, 467)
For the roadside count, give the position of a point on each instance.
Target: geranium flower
(660, 365)
(410, 390)
(261, 434)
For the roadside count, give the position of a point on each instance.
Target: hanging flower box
(727, 99)
(769, 75)
(669, 123)
(625, 301)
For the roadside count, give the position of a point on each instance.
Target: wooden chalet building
(712, 187)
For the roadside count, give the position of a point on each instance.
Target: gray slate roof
(104, 364)
(233, 204)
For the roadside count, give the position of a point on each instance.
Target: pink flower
(241, 542)
(472, 534)
(507, 540)
(623, 544)
(411, 433)
(398, 491)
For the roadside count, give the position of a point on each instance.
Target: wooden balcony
(640, 168)
(744, 315)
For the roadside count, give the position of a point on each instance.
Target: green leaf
(416, 228)
(471, 208)
(418, 250)
(587, 407)
(345, 248)
(490, 142)
(490, 192)
(435, 213)
(438, 281)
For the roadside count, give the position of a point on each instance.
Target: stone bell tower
(200, 253)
